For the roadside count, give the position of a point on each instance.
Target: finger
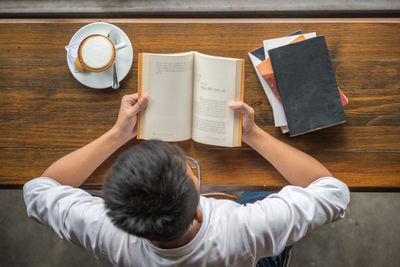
(129, 100)
(140, 105)
(241, 106)
(132, 96)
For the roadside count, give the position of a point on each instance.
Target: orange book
(189, 95)
(265, 68)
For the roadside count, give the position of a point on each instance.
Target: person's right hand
(248, 125)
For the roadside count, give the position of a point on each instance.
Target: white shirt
(230, 235)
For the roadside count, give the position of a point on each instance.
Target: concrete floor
(368, 236)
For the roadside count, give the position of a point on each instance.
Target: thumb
(139, 106)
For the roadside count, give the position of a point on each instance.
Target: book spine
(139, 92)
(241, 99)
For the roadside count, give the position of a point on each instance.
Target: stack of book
(297, 76)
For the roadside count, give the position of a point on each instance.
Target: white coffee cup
(96, 53)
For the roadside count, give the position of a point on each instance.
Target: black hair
(148, 192)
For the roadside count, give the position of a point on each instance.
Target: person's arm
(297, 167)
(74, 168)
(271, 224)
(74, 214)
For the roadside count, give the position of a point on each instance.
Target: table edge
(210, 20)
(229, 188)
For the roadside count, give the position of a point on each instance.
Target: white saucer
(123, 60)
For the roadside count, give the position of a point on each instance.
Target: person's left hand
(127, 117)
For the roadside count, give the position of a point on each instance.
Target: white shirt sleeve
(72, 213)
(283, 218)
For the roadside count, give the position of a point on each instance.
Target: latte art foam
(97, 52)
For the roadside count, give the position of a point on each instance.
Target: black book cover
(307, 85)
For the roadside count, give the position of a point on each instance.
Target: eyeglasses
(194, 164)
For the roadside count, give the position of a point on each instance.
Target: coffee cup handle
(120, 46)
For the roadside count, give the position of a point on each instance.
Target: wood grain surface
(45, 113)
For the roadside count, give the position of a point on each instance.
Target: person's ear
(199, 216)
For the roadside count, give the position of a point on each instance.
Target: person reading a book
(152, 213)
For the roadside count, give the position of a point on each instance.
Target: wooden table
(45, 113)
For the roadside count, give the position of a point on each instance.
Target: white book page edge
(278, 42)
(277, 108)
(285, 129)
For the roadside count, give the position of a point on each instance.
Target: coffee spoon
(115, 83)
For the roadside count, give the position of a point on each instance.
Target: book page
(167, 80)
(217, 82)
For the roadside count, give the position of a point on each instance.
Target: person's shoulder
(219, 211)
(214, 203)
(226, 227)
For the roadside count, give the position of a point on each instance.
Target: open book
(188, 96)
